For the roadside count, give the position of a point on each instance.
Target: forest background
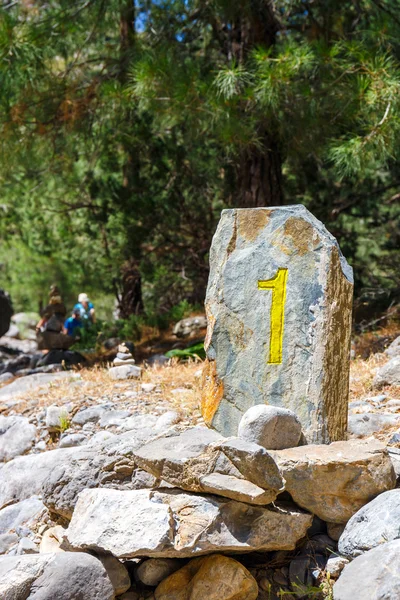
(125, 128)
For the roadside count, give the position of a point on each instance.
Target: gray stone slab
(200, 460)
(375, 523)
(389, 374)
(373, 576)
(366, 424)
(176, 524)
(60, 576)
(20, 513)
(17, 436)
(278, 305)
(30, 383)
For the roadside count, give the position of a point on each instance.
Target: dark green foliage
(196, 351)
(125, 129)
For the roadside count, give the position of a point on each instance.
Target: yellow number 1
(278, 286)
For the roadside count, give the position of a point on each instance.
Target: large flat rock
(29, 383)
(201, 460)
(177, 524)
(16, 437)
(374, 524)
(21, 513)
(366, 424)
(278, 307)
(24, 476)
(336, 480)
(373, 576)
(59, 475)
(61, 576)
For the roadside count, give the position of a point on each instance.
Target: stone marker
(278, 306)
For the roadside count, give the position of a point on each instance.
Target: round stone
(272, 427)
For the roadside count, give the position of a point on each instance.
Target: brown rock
(336, 480)
(335, 530)
(214, 577)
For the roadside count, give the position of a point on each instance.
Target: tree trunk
(131, 297)
(127, 36)
(259, 176)
(130, 301)
(259, 169)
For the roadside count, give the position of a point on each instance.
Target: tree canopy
(127, 126)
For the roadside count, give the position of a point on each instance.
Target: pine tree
(126, 127)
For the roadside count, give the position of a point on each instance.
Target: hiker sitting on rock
(49, 328)
(86, 308)
(73, 323)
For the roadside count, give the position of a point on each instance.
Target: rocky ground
(116, 489)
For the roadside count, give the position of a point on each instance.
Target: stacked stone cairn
(270, 503)
(124, 364)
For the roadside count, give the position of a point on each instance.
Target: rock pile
(124, 364)
(137, 506)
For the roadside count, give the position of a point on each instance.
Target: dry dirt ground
(176, 387)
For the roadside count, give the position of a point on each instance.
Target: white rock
(148, 387)
(17, 436)
(335, 565)
(374, 523)
(90, 415)
(27, 546)
(124, 372)
(8, 541)
(72, 439)
(9, 394)
(113, 417)
(24, 476)
(41, 446)
(394, 348)
(374, 575)
(166, 420)
(24, 513)
(272, 427)
(55, 415)
(59, 576)
(51, 540)
(100, 437)
(138, 422)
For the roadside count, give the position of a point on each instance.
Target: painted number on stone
(278, 286)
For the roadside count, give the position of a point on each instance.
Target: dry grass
(95, 384)
(362, 373)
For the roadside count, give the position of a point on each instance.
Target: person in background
(53, 315)
(73, 323)
(49, 330)
(86, 308)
